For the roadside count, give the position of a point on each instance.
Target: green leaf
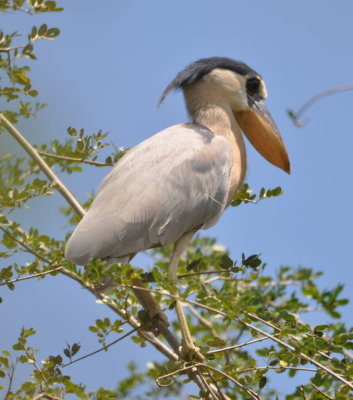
(52, 33)
(291, 114)
(262, 382)
(216, 342)
(226, 262)
(42, 30)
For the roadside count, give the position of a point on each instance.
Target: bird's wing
(171, 183)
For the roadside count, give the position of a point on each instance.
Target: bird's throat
(221, 121)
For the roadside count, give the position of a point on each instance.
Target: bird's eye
(252, 86)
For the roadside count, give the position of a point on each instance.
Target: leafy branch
(246, 195)
(33, 6)
(33, 153)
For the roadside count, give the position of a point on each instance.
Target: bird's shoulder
(170, 148)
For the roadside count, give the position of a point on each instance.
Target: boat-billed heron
(182, 179)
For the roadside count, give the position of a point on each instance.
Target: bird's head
(244, 91)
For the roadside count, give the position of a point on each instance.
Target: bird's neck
(216, 115)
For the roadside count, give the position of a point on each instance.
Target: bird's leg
(188, 349)
(145, 298)
(148, 302)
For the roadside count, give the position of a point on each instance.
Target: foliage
(249, 324)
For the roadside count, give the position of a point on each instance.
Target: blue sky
(107, 70)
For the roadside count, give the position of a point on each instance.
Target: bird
(180, 180)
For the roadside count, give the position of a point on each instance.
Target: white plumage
(174, 182)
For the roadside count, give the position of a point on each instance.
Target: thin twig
(73, 159)
(102, 348)
(8, 49)
(256, 318)
(296, 116)
(251, 284)
(32, 357)
(321, 392)
(24, 246)
(33, 153)
(237, 346)
(279, 367)
(18, 8)
(24, 278)
(11, 376)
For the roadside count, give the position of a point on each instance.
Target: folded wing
(171, 183)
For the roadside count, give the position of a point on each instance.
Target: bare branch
(296, 116)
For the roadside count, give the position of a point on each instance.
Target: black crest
(200, 68)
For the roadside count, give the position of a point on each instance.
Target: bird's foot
(148, 302)
(105, 285)
(190, 352)
(156, 312)
(150, 319)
